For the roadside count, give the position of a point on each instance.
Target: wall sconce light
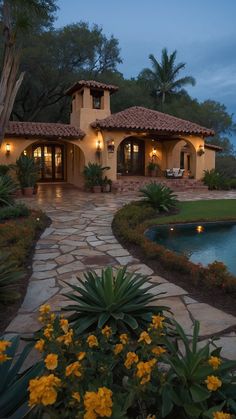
(201, 150)
(111, 146)
(8, 149)
(154, 152)
(25, 153)
(98, 146)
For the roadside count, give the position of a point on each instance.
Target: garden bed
(215, 285)
(18, 239)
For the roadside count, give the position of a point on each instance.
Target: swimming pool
(200, 242)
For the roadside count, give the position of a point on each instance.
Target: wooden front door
(131, 157)
(50, 158)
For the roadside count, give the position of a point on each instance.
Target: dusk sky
(202, 31)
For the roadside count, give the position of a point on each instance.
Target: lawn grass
(210, 210)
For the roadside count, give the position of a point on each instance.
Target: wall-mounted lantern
(98, 146)
(8, 149)
(154, 152)
(201, 150)
(110, 146)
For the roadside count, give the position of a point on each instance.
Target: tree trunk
(9, 86)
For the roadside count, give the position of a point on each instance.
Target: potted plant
(93, 174)
(152, 169)
(106, 184)
(27, 173)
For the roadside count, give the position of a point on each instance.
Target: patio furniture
(174, 173)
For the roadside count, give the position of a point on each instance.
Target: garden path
(80, 238)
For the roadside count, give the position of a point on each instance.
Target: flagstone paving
(80, 237)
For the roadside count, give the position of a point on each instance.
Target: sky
(202, 31)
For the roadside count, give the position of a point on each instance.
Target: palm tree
(17, 17)
(163, 78)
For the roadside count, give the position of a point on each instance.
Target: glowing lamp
(98, 146)
(8, 149)
(171, 229)
(111, 146)
(200, 229)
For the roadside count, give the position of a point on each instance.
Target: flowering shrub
(105, 374)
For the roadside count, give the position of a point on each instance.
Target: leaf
(199, 393)
(192, 410)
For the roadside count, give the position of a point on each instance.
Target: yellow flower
(118, 348)
(39, 345)
(4, 344)
(81, 356)
(45, 309)
(76, 396)
(157, 322)
(73, 369)
(151, 417)
(64, 325)
(51, 361)
(43, 390)
(92, 341)
(221, 415)
(48, 331)
(214, 362)
(67, 338)
(4, 358)
(158, 350)
(131, 358)
(213, 382)
(98, 403)
(107, 331)
(144, 370)
(124, 338)
(144, 337)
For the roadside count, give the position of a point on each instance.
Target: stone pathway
(80, 238)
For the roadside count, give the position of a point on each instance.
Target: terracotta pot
(97, 189)
(28, 191)
(18, 193)
(35, 189)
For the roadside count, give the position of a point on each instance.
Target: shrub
(215, 180)
(9, 277)
(118, 299)
(19, 210)
(232, 183)
(159, 196)
(7, 190)
(104, 374)
(4, 169)
(14, 380)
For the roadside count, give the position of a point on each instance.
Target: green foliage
(9, 277)
(7, 190)
(15, 380)
(226, 165)
(27, 171)
(215, 180)
(159, 196)
(118, 299)
(4, 169)
(163, 80)
(93, 174)
(185, 391)
(15, 211)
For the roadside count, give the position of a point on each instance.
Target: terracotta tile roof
(142, 119)
(213, 147)
(42, 130)
(92, 84)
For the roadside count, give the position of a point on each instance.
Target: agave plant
(159, 196)
(14, 383)
(9, 276)
(119, 299)
(7, 189)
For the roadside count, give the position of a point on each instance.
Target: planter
(28, 191)
(106, 188)
(35, 189)
(97, 189)
(18, 193)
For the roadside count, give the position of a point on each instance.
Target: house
(125, 141)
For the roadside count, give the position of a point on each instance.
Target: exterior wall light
(98, 146)
(8, 149)
(154, 152)
(110, 146)
(201, 150)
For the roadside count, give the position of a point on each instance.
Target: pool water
(201, 243)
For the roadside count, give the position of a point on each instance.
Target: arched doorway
(131, 157)
(50, 158)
